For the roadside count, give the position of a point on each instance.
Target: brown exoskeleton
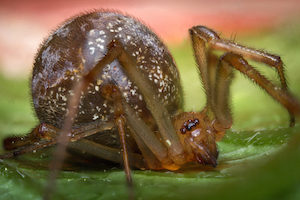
(107, 71)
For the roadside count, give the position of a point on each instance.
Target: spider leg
(42, 132)
(149, 157)
(217, 43)
(153, 150)
(150, 146)
(37, 140)
(218, 81)
(212, 61)
(111, 92)
(42, 136)
(202, 36)
(284, 97)
(200, 52)
(120, 122)
(105, 152)
(221, 92)
(172, 147)
(207, 64)
(158, 111)
(27, 149)
(45, 135)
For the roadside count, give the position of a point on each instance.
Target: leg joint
(204, 33)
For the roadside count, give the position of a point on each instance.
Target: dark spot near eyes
(183, 130)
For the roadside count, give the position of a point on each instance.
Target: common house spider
(105, 73)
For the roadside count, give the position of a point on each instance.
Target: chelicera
(105, 73)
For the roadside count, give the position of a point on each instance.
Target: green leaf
(259, 157)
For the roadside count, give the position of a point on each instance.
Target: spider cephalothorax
(198, 135)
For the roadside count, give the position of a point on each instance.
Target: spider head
(198, 136)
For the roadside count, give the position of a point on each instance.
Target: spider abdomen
(76, 47)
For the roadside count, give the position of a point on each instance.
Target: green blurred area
(259, 157)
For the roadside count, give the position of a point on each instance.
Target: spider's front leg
(217, 88)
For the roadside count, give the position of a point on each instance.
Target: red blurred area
(24, 24)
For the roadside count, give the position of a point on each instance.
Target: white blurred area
(24, 24)
(19, 41)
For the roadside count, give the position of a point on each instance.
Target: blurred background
(25, 23)
(259, 156)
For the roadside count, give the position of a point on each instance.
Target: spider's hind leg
(44, 135)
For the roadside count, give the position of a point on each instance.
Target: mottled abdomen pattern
(76, 47)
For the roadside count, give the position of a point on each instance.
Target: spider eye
(188, 125)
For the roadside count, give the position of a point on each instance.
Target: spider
(104, 80)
